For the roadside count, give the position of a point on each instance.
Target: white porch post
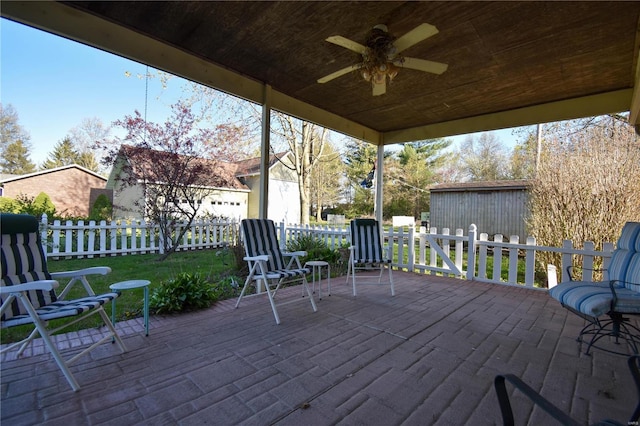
(263, 207)
(378, 195)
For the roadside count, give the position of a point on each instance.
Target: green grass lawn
(211, 264)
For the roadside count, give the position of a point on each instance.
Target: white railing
(471, 256)
(333, 236)
(91, 239)
(447, 256)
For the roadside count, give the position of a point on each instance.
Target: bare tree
(306, 141)
(325, 180)
(484, 158)
(587, 185)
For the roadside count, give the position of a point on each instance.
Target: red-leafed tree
(175, 165)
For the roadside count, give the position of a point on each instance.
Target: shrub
(185, 292)
(102, 209)
(9, 205)
(316, 249)
(226, 288)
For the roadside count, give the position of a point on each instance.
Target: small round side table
(316, 266)
(129, 285)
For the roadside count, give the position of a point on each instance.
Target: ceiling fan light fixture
(381, 55)
(392, 71)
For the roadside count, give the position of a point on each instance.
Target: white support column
(379, 171)
(263, 207)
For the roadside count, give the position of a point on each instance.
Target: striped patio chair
(367, 254)
(27, 292)
(267, 262)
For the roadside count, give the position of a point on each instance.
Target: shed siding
(493, 212)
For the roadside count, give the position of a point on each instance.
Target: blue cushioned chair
(267, 262)
(606, 305)
(367, 254)
(27, 291)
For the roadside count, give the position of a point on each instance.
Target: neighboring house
(496, 207)
(73, 189)
(284, 193)
(234, 190)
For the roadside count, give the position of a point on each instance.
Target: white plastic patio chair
(267, 263)
(367, 254)
(27, 292)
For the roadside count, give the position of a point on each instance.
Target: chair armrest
(535, 397)
(570, 269)
(295, 253)
(262, 257)
(612, 287)
(45, 285)
(95, 270)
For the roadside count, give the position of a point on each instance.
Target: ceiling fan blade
(339, 73)
(416, 35)
(422, 65)
(347, 44)
(380, 88)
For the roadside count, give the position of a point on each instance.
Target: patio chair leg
(49, 344)
(273, 305)
(112, 329)
(305, 283)
(393, 292)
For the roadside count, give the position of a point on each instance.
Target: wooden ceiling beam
(587, 106)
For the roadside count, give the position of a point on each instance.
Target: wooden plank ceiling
(510, 63)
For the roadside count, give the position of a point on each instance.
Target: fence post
(482, 256)
(423, 247)
(412, 249)
(91, 245)
(103, 238)
(433, 256)
(459, 249)
(497, 259)
(587, 262)
(471, 252)
(80, 239)
(530, 263)
(513, 260)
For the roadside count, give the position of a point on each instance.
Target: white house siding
(284, 201)
(227, 204)
(494, 211)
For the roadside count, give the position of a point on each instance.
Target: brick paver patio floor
(426, 356)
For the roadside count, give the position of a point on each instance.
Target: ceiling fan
(381, 56)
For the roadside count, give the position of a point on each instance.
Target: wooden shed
(496, 207)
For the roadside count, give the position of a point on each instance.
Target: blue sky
(54, 83)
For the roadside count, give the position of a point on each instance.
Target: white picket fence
(421, 252)
(91, 239)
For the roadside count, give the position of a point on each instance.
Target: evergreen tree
(15, 159)
(88, 160)
(63, 154)
(411, 175)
